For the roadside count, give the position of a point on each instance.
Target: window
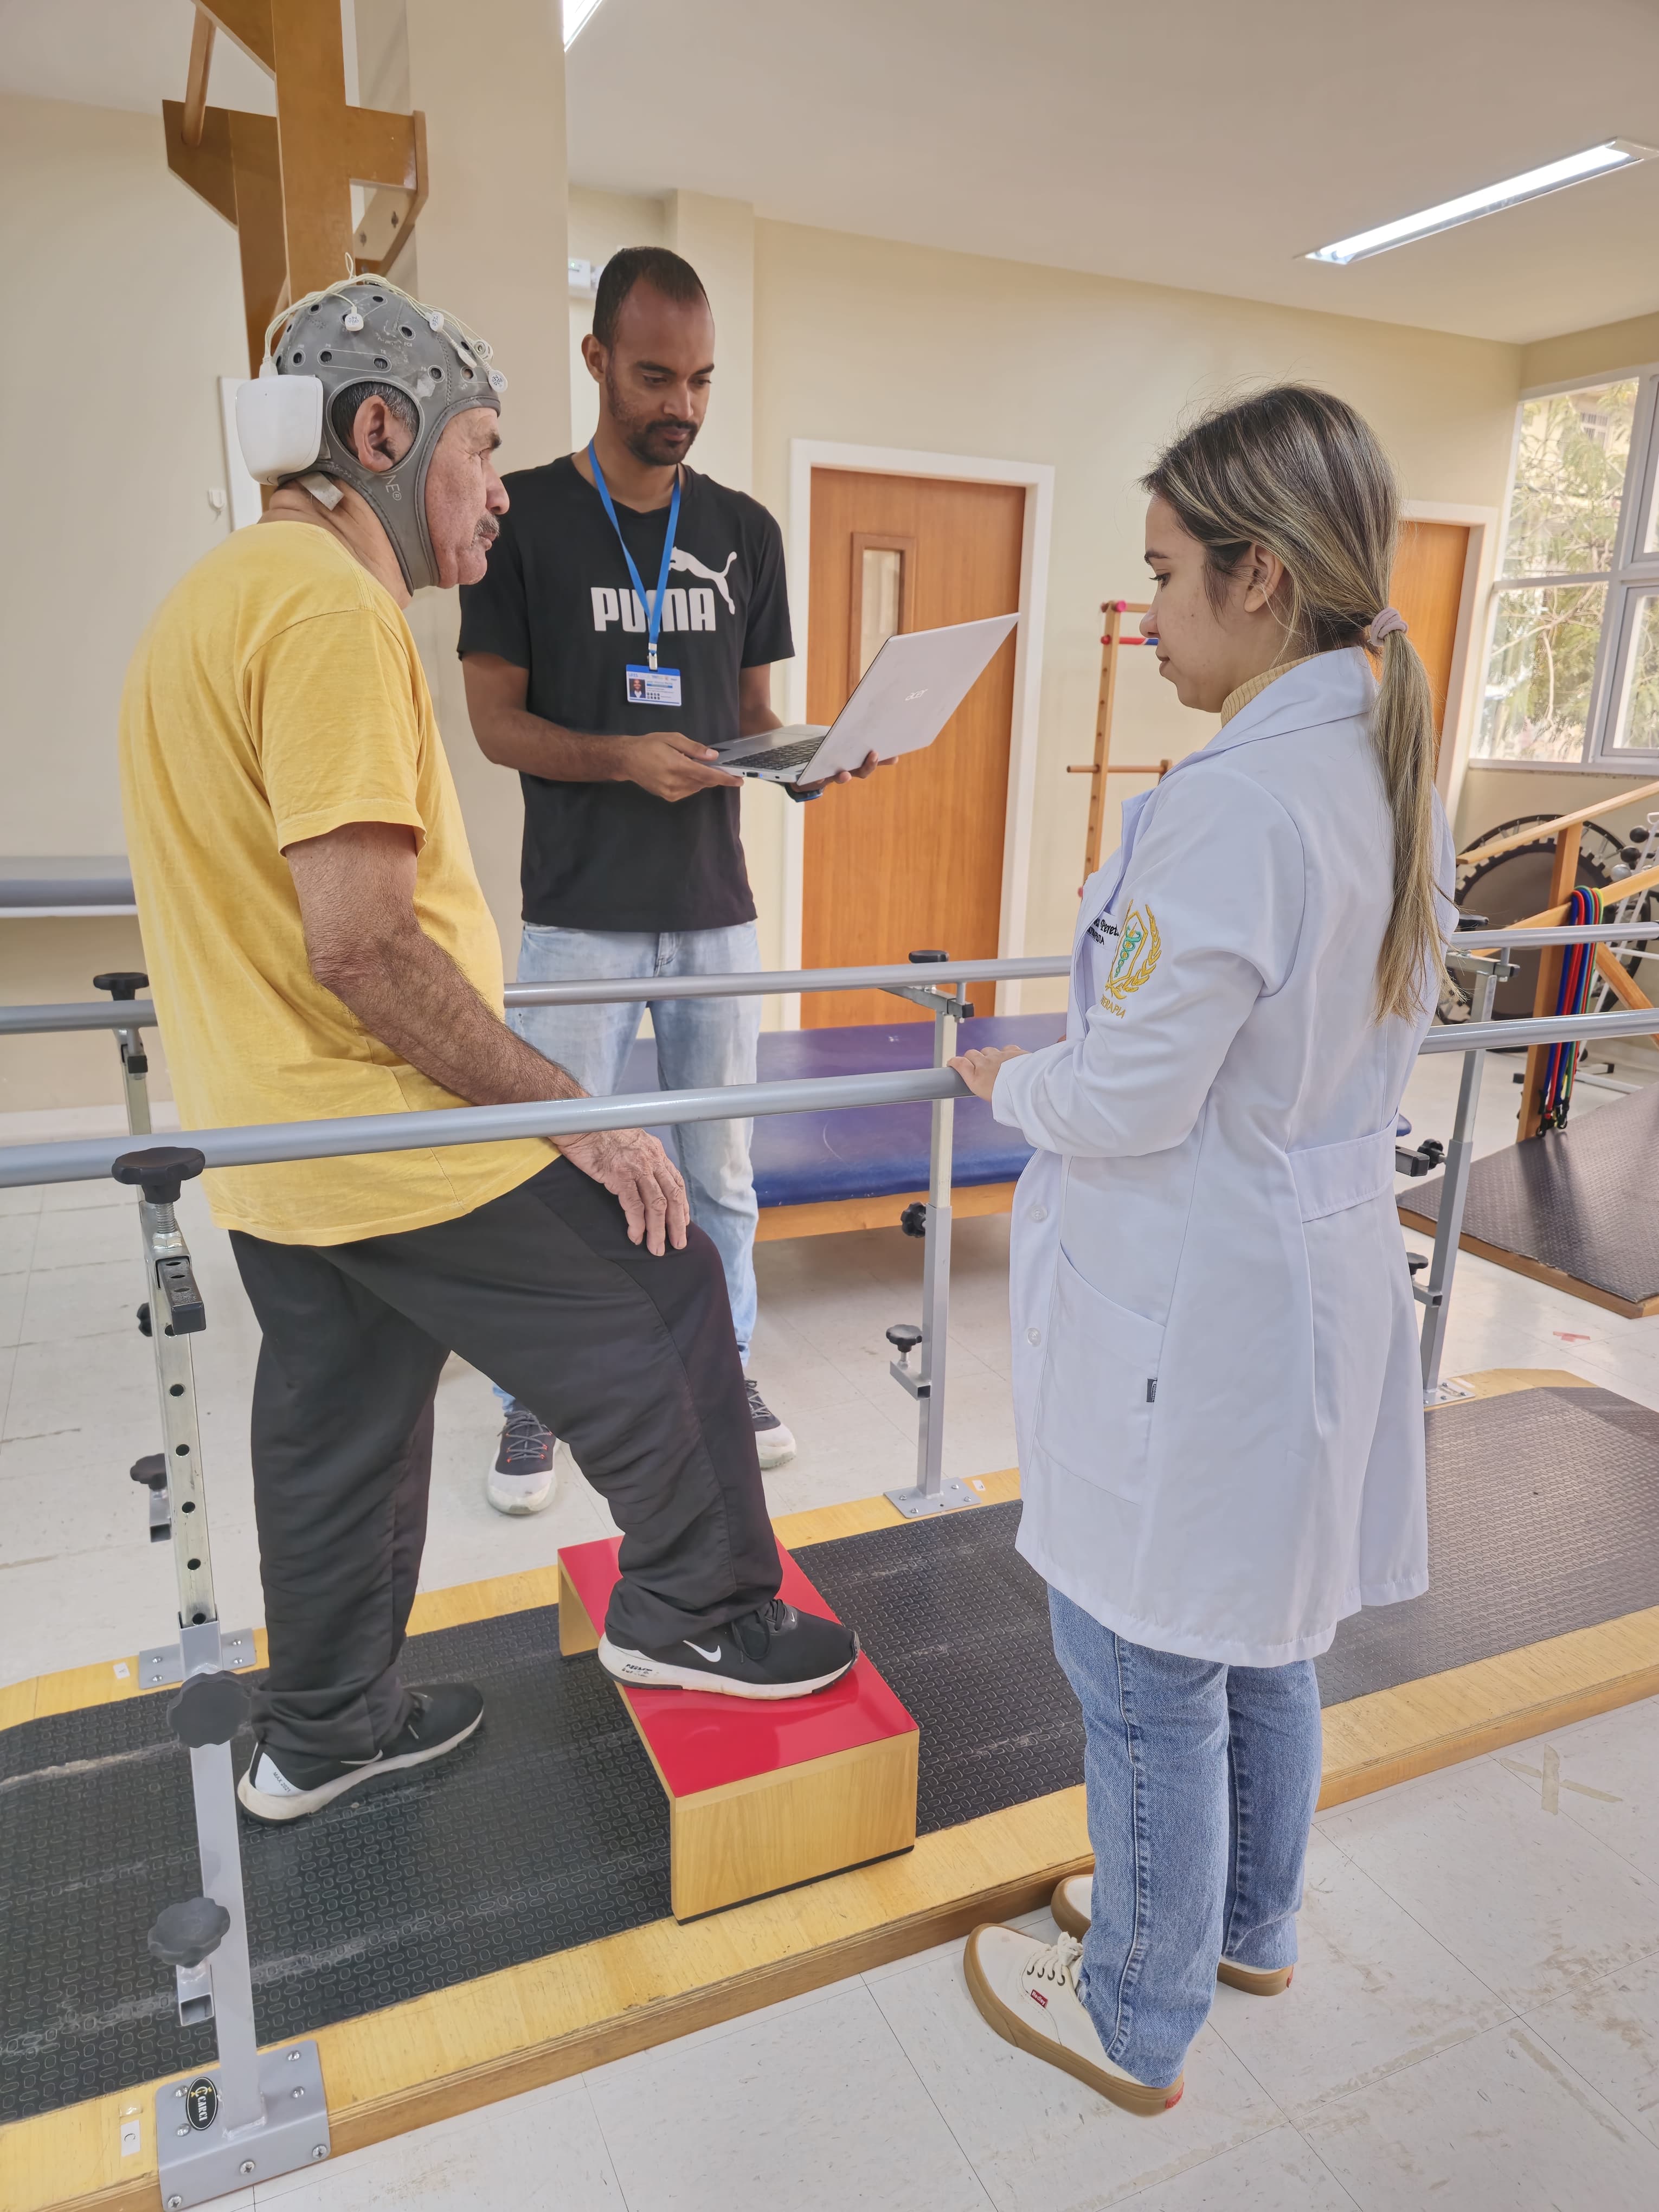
(1572, 669)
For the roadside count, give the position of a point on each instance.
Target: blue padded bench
(860, 1168)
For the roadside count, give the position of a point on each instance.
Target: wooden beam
(391, 215)
(1538, 830)
(1620, 981)
(196, 82)
(1552, 917)
(246, 24)
(205, 162)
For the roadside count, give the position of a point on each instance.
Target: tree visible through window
(1569, 668)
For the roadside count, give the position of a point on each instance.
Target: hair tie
(1384, 625)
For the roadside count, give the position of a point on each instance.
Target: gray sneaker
(523, 1478)
(772, 1440)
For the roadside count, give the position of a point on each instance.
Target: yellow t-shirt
(278, 694)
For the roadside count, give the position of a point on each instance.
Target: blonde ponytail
(1298, 470)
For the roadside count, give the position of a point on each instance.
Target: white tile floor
(1476, 2020)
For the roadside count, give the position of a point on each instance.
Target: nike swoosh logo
(712, 1656)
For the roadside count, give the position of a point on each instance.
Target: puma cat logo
(692, 567)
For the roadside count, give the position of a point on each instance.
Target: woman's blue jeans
(1202, 1781)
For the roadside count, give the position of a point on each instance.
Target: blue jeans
(699, 1043)
(1202, 1781)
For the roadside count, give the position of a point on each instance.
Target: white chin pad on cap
(279, 425)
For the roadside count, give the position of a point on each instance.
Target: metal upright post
(1436, 1293)
(124, 984)
(250, 2117)
(931, 1493)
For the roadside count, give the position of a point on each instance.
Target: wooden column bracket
(286, 184)
(1112, 642)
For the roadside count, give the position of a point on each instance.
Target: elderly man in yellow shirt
(319, 946)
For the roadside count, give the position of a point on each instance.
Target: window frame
(1633, 576)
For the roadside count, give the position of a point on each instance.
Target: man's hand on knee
(635, 1168)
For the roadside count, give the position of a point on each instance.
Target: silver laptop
(903, 700)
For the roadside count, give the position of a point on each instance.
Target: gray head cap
(367, 332)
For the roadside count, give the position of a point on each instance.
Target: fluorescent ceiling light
(1593, 161)
(577, 15)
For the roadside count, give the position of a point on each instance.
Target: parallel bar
(1460, 1158)
(89, 1158)
(140, 1013)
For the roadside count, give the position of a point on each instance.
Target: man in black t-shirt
(607, 674)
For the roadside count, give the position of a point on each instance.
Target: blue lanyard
(653, 606)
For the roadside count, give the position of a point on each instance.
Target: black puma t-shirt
(557, 601)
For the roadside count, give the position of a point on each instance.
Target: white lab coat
(1216, 1378)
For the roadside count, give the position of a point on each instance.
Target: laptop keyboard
(783, 756)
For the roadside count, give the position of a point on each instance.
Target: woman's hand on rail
(634, 1167)
(978, 1070)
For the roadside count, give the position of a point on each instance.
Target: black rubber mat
(958, 1624)
(1584, 1199)
(1543, 1516)
(549, 1829)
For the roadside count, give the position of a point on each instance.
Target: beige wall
(129, 287)
(1591, 353)
(865, 342)
(124, 296)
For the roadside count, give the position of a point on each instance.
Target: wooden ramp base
(460, 2048)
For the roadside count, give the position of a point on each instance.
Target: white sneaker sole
(643, 1673)
(775, 1447)
(1129, 2096)
(516, 1495)
(267, 1805)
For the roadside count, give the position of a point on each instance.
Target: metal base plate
(1448, 1393)
(200, 2158)
(917, 1504)
(161, 1667)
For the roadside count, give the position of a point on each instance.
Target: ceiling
(1206, 144)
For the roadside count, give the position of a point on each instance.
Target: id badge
(653, 687)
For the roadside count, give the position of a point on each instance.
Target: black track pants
(630, 1358)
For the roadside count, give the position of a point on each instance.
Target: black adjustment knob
(919, 957)
(210, 1709)
(914, 1219)
(151, 1470)
(185, 1935)
(122, 983)
(1416, 1260)
(904, 1336)
(163, 1172)
(1432, 1151)
(143, 1320)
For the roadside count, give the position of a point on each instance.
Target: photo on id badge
(653, 687)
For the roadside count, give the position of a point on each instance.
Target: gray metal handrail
(140, 1013)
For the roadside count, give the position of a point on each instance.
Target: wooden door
(1428, 590)
(914, 856)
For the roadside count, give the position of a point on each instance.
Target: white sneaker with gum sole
(1027, 1991)
(1072, 1902)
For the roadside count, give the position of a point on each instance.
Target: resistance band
(1577, 967)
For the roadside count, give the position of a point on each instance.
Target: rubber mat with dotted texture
(1584, 1200)
(549, 1830)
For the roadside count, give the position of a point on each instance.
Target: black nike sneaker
(285, 1786)
(776, 1651)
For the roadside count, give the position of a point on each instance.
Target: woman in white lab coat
(1215, 1362)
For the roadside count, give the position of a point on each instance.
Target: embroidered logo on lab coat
(1138, 948)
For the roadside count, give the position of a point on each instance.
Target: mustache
(488, 532)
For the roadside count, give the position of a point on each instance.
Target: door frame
(1469, 661)
(1037, 477)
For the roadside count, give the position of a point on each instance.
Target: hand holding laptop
(866, 767)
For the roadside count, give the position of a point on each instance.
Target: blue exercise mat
(869, 1151)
